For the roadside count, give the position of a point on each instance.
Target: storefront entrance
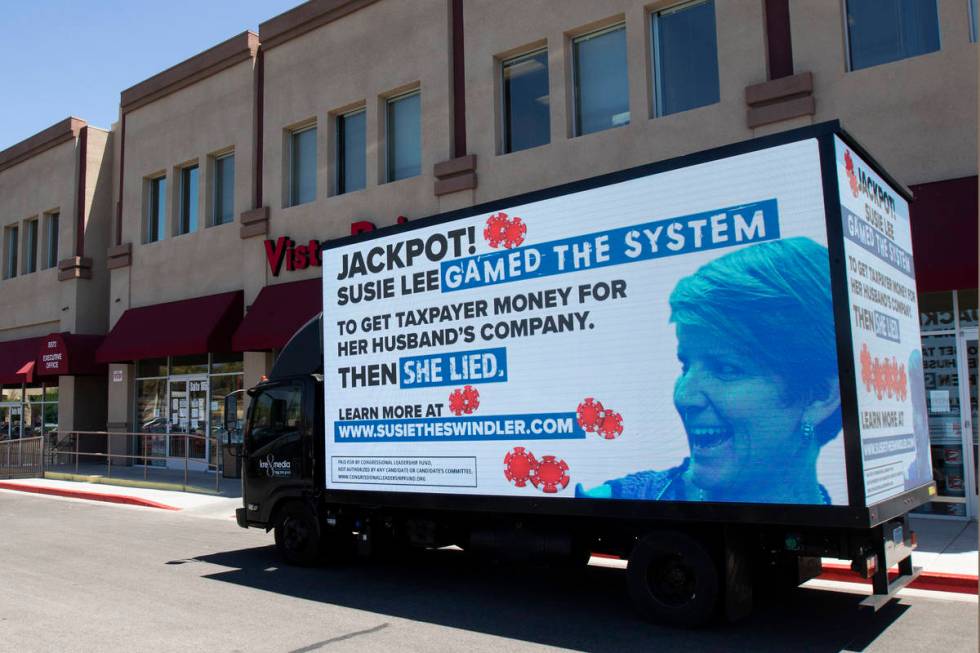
(180, 408)
(11, 420)
(188, 417)
(949, 356)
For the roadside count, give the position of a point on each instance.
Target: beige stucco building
(225, 168)
(55, 199)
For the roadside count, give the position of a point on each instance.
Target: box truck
(708, 366)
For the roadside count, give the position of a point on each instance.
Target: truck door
(274, 446)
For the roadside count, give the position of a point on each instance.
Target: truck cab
(278, 450)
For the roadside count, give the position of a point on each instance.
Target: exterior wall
(45, 304)
(360, 59)
(918, 116)
(191, 124)
(741, 59)
(38, 297)
(90, 296)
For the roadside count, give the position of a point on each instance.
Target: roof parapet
(238, 48)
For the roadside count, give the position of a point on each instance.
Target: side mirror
(231, 419)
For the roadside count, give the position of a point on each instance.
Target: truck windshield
(276, 413)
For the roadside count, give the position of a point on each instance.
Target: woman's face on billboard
(739, 422)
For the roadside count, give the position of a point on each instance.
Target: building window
(351, 150)
(30, 246)
(302, 166)
(685, 57)
(10, 244)
(599, 76)
(51, 234)
(404, 136)
(881, 31)
(974, 19)
(223, 201)
(156, 210)
(187, 216)
(524, 87)
(180, 406)
(40, 409)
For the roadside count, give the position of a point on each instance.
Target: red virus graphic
(518, 465)
(550, 475)
(849, 168)
(502, 230)
(611, 426)
(464, 400)
(590, 413)
(884, 377)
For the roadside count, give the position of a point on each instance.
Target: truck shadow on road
(585, 609)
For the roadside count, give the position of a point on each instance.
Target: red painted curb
(927, 580)
(82, 494)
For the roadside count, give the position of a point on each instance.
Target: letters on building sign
(284, 250)
(296, 257)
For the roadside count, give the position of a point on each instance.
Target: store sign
(53, 356)
(284, 251)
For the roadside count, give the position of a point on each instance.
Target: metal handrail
(62, 436)
(35, 453)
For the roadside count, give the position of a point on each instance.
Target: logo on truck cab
(276, 468)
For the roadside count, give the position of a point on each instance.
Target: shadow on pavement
(587, 609)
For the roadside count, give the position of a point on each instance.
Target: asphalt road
(84, 576)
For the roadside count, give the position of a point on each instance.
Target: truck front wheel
(298, 535)
(673, 579)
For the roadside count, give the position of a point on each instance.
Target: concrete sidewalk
(947, 551)
(188, 502)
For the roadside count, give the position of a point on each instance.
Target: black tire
(298, 535)
(673, 579)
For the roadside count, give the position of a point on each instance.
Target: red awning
(68, 353)
(944, 234)
(189, 326)
(27, 371)
(277, 313)
(15, 355)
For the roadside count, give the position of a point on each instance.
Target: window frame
(389, 101)
(185, 209)
(52, 232)
(502, 64)
(574, 76)
(656, 71)
(848, 57)
(154, 233)
(973, 15)
(341, 149)
(291, 135)
(31, 230)
(11, 251)
(214, 217)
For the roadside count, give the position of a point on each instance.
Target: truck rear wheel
(673, 579)
(298, 535)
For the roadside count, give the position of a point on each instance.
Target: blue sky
(61, 58)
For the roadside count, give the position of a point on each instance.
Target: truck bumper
(241, 518)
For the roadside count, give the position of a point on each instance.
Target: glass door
(940, 362)
(188, 401)
(968, 399)
(11, 418)
(5, 429)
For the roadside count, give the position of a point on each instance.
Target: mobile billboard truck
(708, 366)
